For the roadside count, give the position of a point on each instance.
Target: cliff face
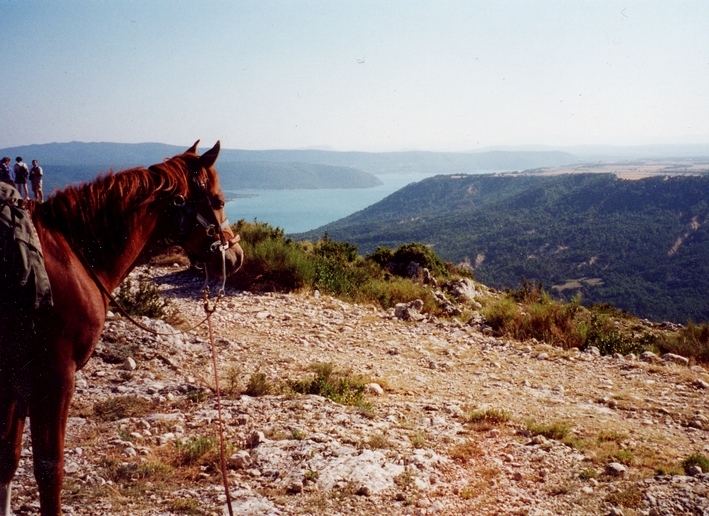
(453, 421)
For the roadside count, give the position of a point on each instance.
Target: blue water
(296, 211)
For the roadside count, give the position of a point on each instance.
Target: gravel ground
(414, 450)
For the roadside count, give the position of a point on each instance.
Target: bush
(603, 335)
(696, 459)
(275, 263)
(556, 431)
(398, 261)
(143, 299)
(120, 407)
(692, 341)
(259, 385)
(341, 252)
(326, 382)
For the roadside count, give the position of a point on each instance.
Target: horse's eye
(217, 203)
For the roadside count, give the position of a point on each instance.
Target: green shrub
(195, 447)
(696, 459)
(381, 256)
(603, 335)
(692, 341)
(491, 416)
(342, 252)
(259, 385)
(274, 263)
(326, 382)
(556, 431)
(143, 299)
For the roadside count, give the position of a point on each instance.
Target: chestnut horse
(90, 234)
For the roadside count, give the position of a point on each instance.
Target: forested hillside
(639, 245)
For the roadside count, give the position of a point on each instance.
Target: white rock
(129, 364)
(374, 388)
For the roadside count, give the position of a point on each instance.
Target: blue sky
(355, 75)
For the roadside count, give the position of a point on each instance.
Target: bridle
(187, 216)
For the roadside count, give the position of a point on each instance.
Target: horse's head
(207, 237)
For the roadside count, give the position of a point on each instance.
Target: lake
(296, 211)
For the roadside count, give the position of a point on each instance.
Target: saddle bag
(23, 278)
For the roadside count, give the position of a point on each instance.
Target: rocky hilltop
(455, 420)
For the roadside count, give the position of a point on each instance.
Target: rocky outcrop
(416, 451)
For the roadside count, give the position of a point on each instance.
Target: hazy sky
(355, 75)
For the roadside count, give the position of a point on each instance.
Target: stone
(648, 356)
(693, 471)
(701, 384)
(375, 389)
(409, 311)
(615, 469)
(240, 460)
(462, 289)
(129, 364)
(255, 439)
(676, 359)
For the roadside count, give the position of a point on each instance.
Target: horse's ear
(208, 159)
(193, 149)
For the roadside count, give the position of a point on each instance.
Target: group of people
(20, 174)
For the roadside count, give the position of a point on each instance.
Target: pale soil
(434, 376)
(632, 170)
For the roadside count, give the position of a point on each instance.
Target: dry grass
(120, 407)
(467, 450)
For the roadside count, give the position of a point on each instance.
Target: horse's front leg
(49, 409)
(12, 422)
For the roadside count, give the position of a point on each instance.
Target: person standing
(36, 181)
(5, 175)
(21, 174)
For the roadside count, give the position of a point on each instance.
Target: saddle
(23, 278)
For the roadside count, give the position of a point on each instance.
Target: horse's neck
(135, 251)
(112, 267)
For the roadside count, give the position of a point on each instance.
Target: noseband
(186, 214)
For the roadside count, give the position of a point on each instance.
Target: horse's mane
(96, 217)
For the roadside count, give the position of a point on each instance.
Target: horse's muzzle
(234, 258)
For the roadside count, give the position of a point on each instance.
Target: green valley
(639, 245)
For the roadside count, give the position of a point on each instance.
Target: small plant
(692, 341)
(143, 299)
(588, 474)
(298, 434)
(259, 385)
(668, 470)
(606, 436)
(378, 441)
(119, 471)
(194, 448)
(418, 440)
(120, 407)
(196, 395)
(124, 434)
(186, 506)
(466, 450)
(326, 382)
(486, 419)
(405, 480)
(623, 456)
(630, 497)
(556, 431)
(696, 459)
